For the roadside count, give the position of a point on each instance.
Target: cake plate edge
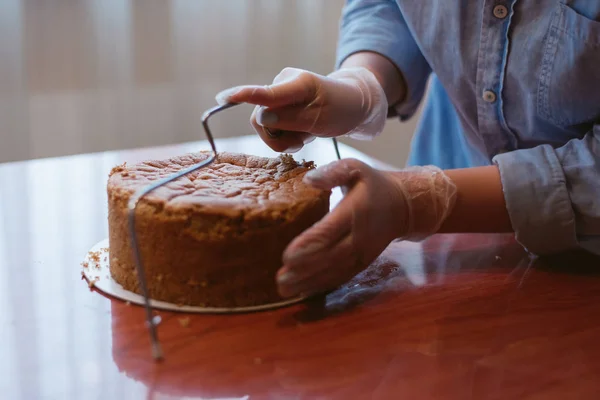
(96, 272)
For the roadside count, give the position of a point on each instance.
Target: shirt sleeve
(553, 195)
(378, 26)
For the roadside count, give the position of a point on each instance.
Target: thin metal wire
(151, 323)
(337, 149)
(134, 201)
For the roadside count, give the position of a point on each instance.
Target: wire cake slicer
(151, 321)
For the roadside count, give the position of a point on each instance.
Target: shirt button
(489, 96)
(500, 12)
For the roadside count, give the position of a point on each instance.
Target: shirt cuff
(537, 200)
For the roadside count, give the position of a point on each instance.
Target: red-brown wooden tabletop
(455, 317)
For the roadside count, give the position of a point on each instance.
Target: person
(508, 141)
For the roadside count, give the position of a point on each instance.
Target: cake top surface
(231, 184)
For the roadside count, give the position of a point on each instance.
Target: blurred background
(79, 76)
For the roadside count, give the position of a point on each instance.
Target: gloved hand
(304, 105)
(378, 207)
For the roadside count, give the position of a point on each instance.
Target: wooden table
(455, 317)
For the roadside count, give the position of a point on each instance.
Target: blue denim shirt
(513, 82)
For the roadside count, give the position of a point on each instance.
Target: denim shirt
(514, 83)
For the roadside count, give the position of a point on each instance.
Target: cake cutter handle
(152, 321)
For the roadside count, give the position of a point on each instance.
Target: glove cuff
(374, 101)
(430, 197)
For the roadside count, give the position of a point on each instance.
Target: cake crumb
(85, 264)
(118, 168)
(257, 360)
(288, 160)
(308, 164)
(203, 284)
(94, 256)
(159, 277)
(184, 322)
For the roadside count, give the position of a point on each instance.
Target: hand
(377, 208)
(304, 105)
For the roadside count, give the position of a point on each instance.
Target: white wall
(92, 75)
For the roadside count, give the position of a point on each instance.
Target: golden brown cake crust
(215, 236)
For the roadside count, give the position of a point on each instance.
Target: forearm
(480, 206)
(389, 76)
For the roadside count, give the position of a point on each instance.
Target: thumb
(291, 87)
(322, 236)
(338, 173)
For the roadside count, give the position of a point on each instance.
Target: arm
(380, 206)
(387, 73)
(480, 203)
(480, 206)
(373, 34)
(549, 197)
(553, 194)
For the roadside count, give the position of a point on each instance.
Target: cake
(214, 237)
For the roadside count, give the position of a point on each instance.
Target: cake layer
(214, 237)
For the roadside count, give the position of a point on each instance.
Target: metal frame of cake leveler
(151, 322)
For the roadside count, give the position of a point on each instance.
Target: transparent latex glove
(301, 105)
(378, 207)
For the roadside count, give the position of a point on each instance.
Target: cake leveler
(151, 321)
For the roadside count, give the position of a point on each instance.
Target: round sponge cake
(214, 237)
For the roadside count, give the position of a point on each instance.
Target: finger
(338, 173)
(309, 139)
(301, 118)
(289, 142)
(334, 267)
(324, 234)
(330, 267)
(350, 215)
(288, 74)
(297, 88)
(313, 264)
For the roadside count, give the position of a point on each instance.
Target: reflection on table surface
(457, 316)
